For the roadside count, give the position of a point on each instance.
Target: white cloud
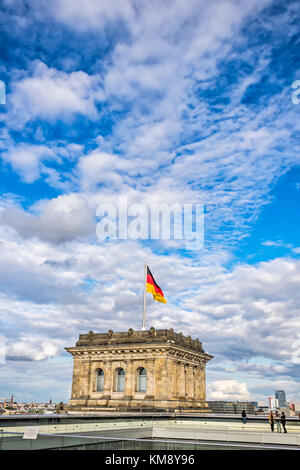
(31, 161)
(228, 390)
(25, 159)
(31, 350)
(51, 94)
(295, 346)
(153, 71)
(58, 220)
(85, 15)
(103, 168)
(251, 311)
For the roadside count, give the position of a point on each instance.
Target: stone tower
(142, 370)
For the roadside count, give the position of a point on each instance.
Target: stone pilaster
(202, 384)
(77, 373)
(197, 383)
(189, 382)
(177, 376)
(129, 379)
(85, 378)
(181, 381)
(91, 385)
(161, 378)
(108, 380)
(150, 369)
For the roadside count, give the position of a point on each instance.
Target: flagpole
(144, 310)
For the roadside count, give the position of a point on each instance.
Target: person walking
(283, 421)
(271, 420)
(277, 418)
(244, 417)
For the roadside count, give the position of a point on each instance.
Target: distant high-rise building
(280, 396)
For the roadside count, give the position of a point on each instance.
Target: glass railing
(15, 441)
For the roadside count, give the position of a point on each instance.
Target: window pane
(142, 383)
(100, 381)
(142, 380)
(120, 383)
(120, 380)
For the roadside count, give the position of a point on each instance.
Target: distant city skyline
(278, 400)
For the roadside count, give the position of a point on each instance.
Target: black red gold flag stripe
(154, 288)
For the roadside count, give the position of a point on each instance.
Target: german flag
(153, 288)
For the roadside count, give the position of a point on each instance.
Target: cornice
(147, 351)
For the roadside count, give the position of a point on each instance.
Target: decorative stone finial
(91, 335)
(152, 331)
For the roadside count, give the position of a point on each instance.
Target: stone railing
(144, 337)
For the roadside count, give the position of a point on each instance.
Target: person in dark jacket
(244, 417)
(283, 421)
(271, 421)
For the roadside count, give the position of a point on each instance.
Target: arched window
(142, 380)
(100, 381)
(120, 380)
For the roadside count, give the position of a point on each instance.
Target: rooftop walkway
(184, 428)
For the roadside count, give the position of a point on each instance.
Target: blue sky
(161, 102)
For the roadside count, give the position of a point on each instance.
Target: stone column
(173, 367)
(202, 384)
(85, 376)
(195, 371)
(181, 381)
(177, 379)
(129, 379)
(150, 369)
(169, 379)
(197, 383)
(91, 383)
(75, 379)
(189, 382)
(166, 379)
(108, 379)
(161, 378)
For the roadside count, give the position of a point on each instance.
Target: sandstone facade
(154, 370)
